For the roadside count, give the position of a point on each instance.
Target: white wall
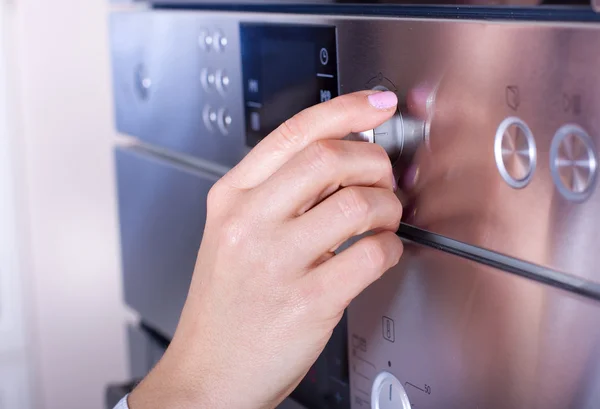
(59, 65)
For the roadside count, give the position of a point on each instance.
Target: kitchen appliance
(495, 302)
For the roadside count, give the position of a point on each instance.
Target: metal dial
(573, 162)
(515, 152)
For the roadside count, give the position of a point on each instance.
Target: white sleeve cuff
(122, 403)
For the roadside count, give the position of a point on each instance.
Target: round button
(515, 152)
(387, 393)
(219, 41)
(143, 82)
(210, 117)
(573, 163)
(223, 81)
(205, 40)
(225, 121)
(208, 78)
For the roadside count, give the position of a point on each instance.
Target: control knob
(400, 136)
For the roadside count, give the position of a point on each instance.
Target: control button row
(217, 119)
(212, 41)
(212, 80)
(573, 159)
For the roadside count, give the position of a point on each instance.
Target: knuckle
(342, 105)
(323, 155)
(373, 255)
(232, 231)
(353, 204)
(293, 131)
(215, 195)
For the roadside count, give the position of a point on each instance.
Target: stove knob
(400, 136)
(387, 393)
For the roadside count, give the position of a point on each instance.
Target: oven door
(162, 210)
(454, 333)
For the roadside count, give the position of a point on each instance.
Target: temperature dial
(388, 393)
(400, 136)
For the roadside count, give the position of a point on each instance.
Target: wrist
(172, 384)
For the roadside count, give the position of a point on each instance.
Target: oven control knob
(400, 136)
(387, 393)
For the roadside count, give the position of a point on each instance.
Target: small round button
(225, 121)
(388, 393)
(143, 82)
(219, 41)
(208, 79)
(223, 81)
(210, 117)
(205, 40)
(573, 163)
(515, 152)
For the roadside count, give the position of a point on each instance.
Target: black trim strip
(586, 288)
(539, 13)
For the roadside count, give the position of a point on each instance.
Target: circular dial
(387, 393)
(573, 162)
(400, 136)
(515, 152)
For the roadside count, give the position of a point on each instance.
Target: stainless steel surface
(162, 209)
(465, 335)
(168, 74)
(515, 152)
(573, 163)
(468, 336)
(479, 85)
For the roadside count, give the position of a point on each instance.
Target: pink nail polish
(394, 183)
(383, 100)
(410, 177)
(422, 95)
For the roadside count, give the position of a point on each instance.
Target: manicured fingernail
(394, 183)
(423, 95)
(383, 100)
(411, 177)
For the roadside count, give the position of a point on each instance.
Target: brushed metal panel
(159, 98)
(477, 337)
(162, 211)
(469, 336)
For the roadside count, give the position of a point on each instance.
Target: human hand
(268, 288)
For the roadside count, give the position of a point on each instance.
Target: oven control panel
(506, 162)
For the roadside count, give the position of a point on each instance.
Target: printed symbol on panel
(253, 86)
(513, 98)
(324, 55)
(359, 343)
(425, 389)
(572, 103)
(325, 95)
(381, 79)
(255, 121)
(388, 329)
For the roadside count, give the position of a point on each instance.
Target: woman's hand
(268, 289)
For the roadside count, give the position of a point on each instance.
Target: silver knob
(400, 136)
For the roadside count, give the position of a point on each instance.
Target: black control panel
(285, 69)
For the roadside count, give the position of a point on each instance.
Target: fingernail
(411, 177)
(383, 100)
(422, 95)
(394, 183)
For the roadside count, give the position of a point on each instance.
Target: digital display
(286, 69)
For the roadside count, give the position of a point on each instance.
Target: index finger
(334, 119)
